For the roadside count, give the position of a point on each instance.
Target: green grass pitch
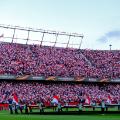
(4, 115)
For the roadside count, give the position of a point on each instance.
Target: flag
(109, 99)
(3, 97)
(87, 100)
(55, 99)
(15, 99)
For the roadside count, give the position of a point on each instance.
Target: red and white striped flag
(3, 97)
(109, 99)
(55, 99)
(15, 99)
(87, 100)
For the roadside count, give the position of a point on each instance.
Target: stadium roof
(17, 34)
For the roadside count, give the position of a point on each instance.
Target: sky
(97, 20)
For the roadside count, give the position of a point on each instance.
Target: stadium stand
(19, 59)
(22, 59)
(32, 92)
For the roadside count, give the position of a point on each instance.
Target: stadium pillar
(42, 39)
(13, 35)
(68, 41)
(28, 36)
(56, 39)
(80, 42)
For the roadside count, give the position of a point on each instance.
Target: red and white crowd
(19, 59)
(31, 92)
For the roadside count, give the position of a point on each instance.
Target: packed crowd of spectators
(35, 91)
(19, 59)
(107, 62)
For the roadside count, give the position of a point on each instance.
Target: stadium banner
(65, 79)
(83, 79)
(29, 77)
(92, 80)
(51, 78)
(24, 77)
(36, 78)
(80, 79)
(98, 80)
(104, 80)
(7, 77)
(57, 78)
(115, 80)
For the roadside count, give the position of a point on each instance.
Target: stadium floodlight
(15, 33)
(110, 46)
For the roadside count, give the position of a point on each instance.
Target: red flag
(15, 99)
(109, 99)
(87, 100)
(55, 99)
(3, 97)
